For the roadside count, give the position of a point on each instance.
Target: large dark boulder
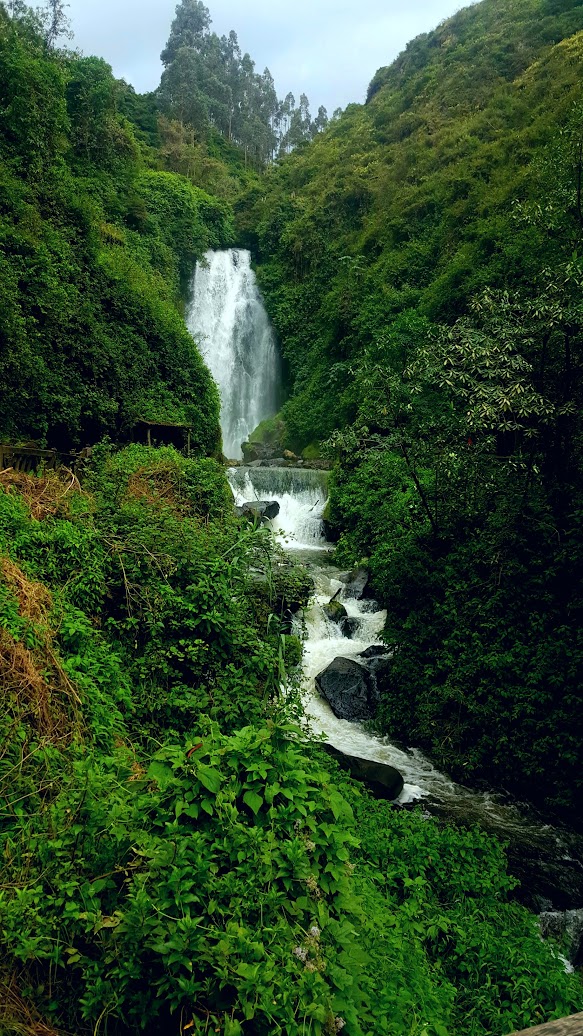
(349, 689)
(335, 610)
(383, 780)
(355, 583)
(259, 510)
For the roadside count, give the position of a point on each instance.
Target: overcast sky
(328, 49)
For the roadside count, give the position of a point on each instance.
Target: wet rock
(283, 461)
(566, 927)
(317, 465)
(374, 651)
(335, 610)
(350, 627)
(259, 510)
(383, 780)
(259, 451)
(288, 455)
(355, 583)
(349, 689)
(378, 661)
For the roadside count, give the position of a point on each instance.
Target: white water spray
(228, 321)
(301, 495)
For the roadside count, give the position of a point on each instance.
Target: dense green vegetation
(174, 856)
(422, 263)
(177, 856)
(95, 239)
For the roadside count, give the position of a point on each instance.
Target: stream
(547, 859)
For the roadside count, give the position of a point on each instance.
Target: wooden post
(149, 437)
(188, 443)
(572, 1026)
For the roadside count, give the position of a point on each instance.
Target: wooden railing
(572, 1026)
(26, 458)
(29, 458)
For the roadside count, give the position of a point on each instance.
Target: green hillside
(410, 202)
(95, 238)
(178, 856)
(421, 263)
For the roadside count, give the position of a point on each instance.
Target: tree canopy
(211, 85)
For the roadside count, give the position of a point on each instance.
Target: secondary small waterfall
(301, 495)
(227, 319)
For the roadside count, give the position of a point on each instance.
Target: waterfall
(227, 319)
(301, 495)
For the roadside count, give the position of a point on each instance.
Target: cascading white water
(323, 643)
(546, 859)
(301, 495)
(228, 321)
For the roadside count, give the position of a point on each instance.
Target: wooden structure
(30, 458)
(169, 433)
(27, 458)
(572, 1026)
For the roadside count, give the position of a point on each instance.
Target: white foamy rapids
(545, 859)
(228, 321)
(301, 495)
(324, 642)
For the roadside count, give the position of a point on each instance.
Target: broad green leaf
(161, 773)
(253, 800)
(211, 779)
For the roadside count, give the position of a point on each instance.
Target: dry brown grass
(45, 495)
(19, 1018)
(33, 683)
(24, 686)
(34, 599)
(157, 486)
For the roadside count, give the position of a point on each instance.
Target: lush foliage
(93, 247)
(421, 261)
(175, 856)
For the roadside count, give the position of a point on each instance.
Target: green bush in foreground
(176, 856)
(225, 888)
